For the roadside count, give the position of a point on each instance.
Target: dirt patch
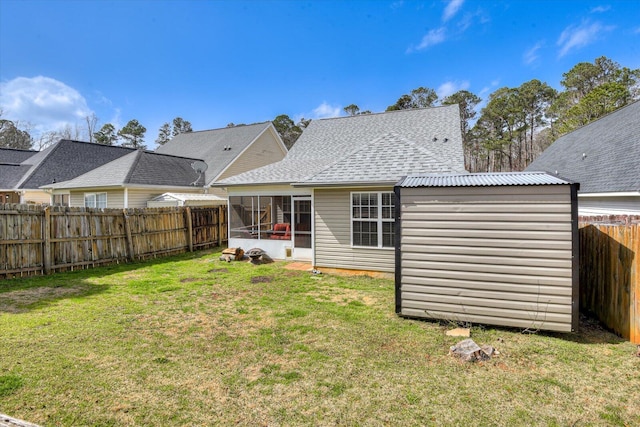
(16, 301)
(261, 279)
(218, 270)
(343, 296)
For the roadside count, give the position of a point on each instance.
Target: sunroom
(280, 224)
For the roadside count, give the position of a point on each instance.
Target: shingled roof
(602, 156)
(143, 168)
(216, 147)
(66, 160)
(14, 155)
(368, 149)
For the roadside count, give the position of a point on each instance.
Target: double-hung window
(373, 219)
(95, 200)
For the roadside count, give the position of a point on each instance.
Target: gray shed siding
(501, 255)
(333, 234)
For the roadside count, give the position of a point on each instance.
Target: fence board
(38, 240)
(609, 276)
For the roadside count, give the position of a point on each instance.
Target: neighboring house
(331, 200)
(130, 181)
(604, 157)
(186, 199)
(62, 161)
(229, 151)
(11, 170)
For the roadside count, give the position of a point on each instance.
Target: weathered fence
(39, 240)
(609, 276)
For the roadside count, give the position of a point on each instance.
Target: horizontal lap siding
(496, 255)
(333, 235)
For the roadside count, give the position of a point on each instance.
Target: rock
(469, 351)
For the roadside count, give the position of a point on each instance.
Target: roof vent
(446, 139)
(435, 138)
(584, 156)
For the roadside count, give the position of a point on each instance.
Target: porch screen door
(302, 222)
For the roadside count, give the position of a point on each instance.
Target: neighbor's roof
(143, 168)
(66, 160)
(367, 149)
(481, 180)
(14, 155)
(190, 196)
(602, 156)
(209, 145)
(10, 175)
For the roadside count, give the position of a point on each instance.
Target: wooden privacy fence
(609, 276)
(39, 240)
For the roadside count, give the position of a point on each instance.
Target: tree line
(518, 123)
(507, 134)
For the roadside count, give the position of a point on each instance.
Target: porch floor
(306, 266)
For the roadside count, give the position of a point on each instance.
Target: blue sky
(215, 62)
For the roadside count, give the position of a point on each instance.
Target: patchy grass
(193, 341)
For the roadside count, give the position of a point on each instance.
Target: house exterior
(229, 151)
(11, 170)
(130, 181)
(62, 161)
(330, 200)
(603, 157)
(186, 199)
(492, 248)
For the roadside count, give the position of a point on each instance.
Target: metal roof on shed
(481, 180)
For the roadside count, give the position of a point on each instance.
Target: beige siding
(609, 205)
(332, 238)
(264, 151)
(496, 255)
(138, 198)
(37, 196)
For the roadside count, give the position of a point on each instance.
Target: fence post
(46, 245)
(219, 226)
(187, 214)
(127, 228)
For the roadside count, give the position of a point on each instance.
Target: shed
(186, 199)
(490, 248)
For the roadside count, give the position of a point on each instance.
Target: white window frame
(379, 220)
(94, 204)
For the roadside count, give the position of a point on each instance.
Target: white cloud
(600, 9)
(577, 36)
(449, 88)
(325, 110)
(47, 104)
(433, 37)
(451, 9)
(397, 4)
(531, 55)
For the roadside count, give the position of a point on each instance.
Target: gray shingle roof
(138, 168)
(481, 180)
(368, 149)
(209, 145)
(10, 175)
(66, 160)
(603, 156)
(14, 156)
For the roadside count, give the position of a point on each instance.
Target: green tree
(287, 129)
(106, 135)
(12, 137)
(352, 110)
(164, 134)
(614, 86)
(421, 97)
(535, 98)
(467, 102)
(133, 135)
(180, 126)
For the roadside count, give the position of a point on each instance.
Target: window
(60, 200)
(95, 200)
(373, 219)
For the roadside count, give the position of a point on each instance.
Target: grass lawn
(190, 340)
